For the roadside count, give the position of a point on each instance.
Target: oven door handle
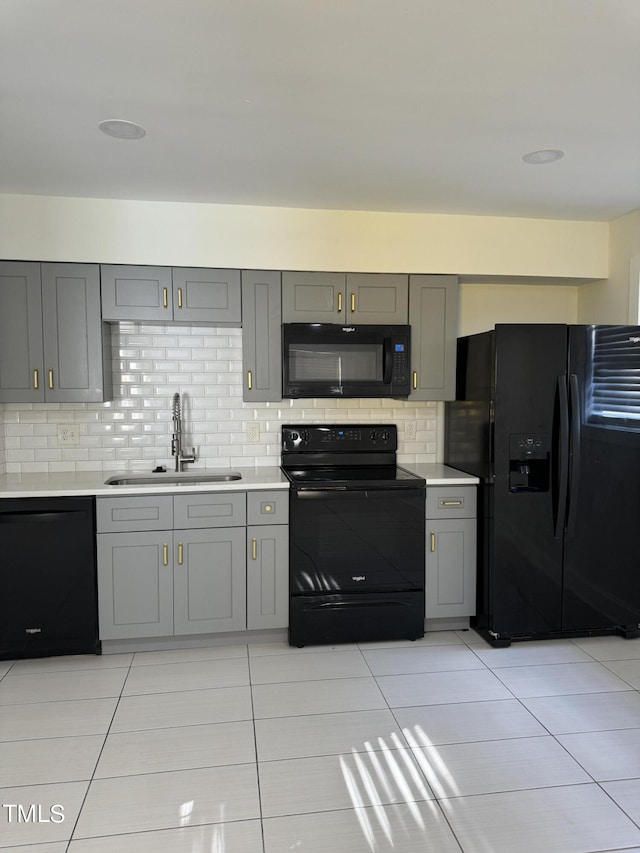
(321, 494)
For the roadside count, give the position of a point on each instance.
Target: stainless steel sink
(167, 478)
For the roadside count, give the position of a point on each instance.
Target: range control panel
(336, 437)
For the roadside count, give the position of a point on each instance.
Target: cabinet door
(433, 315)
(313, 297)
(206, 296)
(209, 582)
(268, 576)
(73, 339)
(377, 298)
(135, 585)
(21, 354)
(261, 336)
(136, 293)
(450, 583)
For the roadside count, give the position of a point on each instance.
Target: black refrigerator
(548, 417)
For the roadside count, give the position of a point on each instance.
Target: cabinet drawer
(221, 509)
(117, 515)
(268, 507)
(451, 501)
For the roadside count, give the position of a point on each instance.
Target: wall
(115, 231)
(484, 305)
(609, 301)
(134, 431)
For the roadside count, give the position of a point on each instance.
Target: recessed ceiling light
(543, 156)
(120, 129)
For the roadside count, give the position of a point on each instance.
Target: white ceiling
(399, 105)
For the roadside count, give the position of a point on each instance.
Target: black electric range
(356, 535)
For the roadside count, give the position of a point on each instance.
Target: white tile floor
(440, 746)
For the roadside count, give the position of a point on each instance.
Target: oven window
(335, 363)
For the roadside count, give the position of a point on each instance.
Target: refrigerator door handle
(574, 454)
(563, 460)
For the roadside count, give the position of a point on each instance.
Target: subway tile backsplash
(133, 431)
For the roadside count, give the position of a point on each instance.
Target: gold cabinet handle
(415, 380)
(51, 380)
(180, 560)
(268, 508)
(249, 380)
(36, 383)
(450, 503)
(433, 541)
(165, 297)
(353, 302)
(179, 297)
(339, 302)
(254, 549)
(165, 554)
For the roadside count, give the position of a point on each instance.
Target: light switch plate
(68, 434)
(253, 432)
(410, 430)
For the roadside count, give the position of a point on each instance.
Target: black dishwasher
(48, 591)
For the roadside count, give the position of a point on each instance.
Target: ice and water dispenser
(529, 462)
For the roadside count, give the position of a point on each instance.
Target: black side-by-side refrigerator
(548, 417)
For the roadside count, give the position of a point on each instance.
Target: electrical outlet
(410, 430)
(253, 433)
(68, 434)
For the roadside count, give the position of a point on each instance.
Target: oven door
(326, 360)
(356, 541)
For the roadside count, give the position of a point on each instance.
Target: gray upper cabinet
(433, 315)
(21, 350)
(261, 336)
(319, 297)
(53, 345)
(171, 294)
(377, 298)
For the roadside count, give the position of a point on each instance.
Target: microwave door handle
(387, 361)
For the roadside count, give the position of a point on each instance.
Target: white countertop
(267, 477)
(93, 483)
(437, 474)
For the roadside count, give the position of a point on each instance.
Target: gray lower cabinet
(319, 297)
(209, 581)
(261, 336)
(450, 583)
(54, 347)
(268, 559)
(135, 584)
(171, 294)
(178, 565)
(433, 316)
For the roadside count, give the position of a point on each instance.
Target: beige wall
(484, 305)
(610, 301)
(113, 231)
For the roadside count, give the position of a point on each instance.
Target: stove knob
(294, 436)
(373, 435)
(305, 435)
(385, 435)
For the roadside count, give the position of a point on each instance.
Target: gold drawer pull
(249, 380)
(180, 560)
(433, 541)
(51, 380)
(179, 297)
(36, 384)
(268, 508)
(353, 302)
(254, 549)
(165, 554)
(339, 302)
(415, 380)
(165, 298)
(450, 503)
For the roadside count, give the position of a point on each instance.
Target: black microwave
(329, 360)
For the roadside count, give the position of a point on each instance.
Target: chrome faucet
(176, 441)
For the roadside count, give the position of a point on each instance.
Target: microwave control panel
(400, 370)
